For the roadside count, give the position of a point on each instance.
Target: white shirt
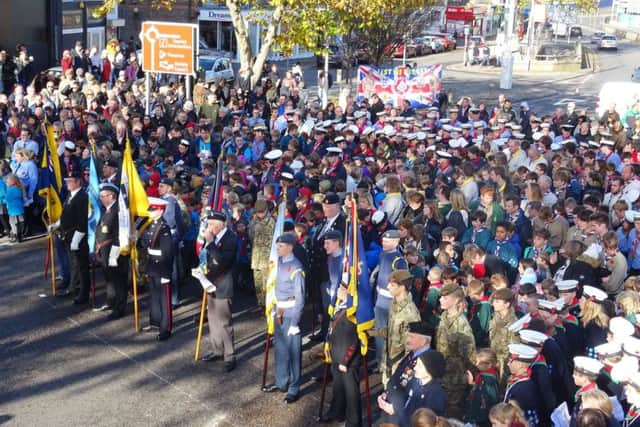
(220, 235)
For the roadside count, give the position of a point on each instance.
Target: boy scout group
(501, 246)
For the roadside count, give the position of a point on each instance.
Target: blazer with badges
(74, 215)
(107, 233)
(158, 243)
(220, 259)
(318, 256)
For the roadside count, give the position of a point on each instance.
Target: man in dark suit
(73, 228)
(108, 252)
(221, 249)
(334, 219)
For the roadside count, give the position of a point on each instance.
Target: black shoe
(115, 315)
(329, 418)
(272, 388)
(316, 338)
(64, 292)
(80, 301)
(290, 398)
(211, 357)
(163, 336)
(229, 366)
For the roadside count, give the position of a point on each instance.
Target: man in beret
(289, 294)
(110, 172)
(333, 248)
(402, 311)
(221, 245)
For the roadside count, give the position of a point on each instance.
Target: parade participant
(221, 245)
(107, 251)
(345, 366)
(260, 234)
(594, 319)
(173, 219)
(391, 260)
(484, 392)
(73, 227)
(424, 391)
(333, 248)
(585, 373)
(334, 219)
(455, 341)
(520, 386)
(500, 336)
(610, 355)
(158, 243)
(290, 302)
(402, 311)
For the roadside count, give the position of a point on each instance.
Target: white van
(623, 94)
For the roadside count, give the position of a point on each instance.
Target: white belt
(154, 252)
(290, 303)
(384, 292)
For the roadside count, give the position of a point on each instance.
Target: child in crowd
(479, 313)
(416, 268)
(15, 206)
(484, 392)
(478, 233)
(540, 245)
(502, 248)
(430, 301)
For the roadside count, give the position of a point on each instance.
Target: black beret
(288, 238)
(217, 216)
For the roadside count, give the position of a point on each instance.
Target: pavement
(65, 366)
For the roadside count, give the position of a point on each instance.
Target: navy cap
(331, 199)
(391, 234)
(109, 187)
(217, 216)
(166, 181)
(333, 235)
(288, 238)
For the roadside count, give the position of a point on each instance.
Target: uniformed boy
(290, 302)
(158, 243)
(520, 387)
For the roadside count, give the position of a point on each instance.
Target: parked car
(622, 94)
(608, 41)
(214, 68)
(434, 43)
(425, 45)
(595, 37)
(398, 51)
(635, 75)
(447, 40)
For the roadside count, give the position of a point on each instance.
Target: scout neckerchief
(631, 416)
(513, 380)
(584, 389)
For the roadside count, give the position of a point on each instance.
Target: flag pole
(325, 379)
(367, 394)
(53, 264)
(203, 307)
(134, 259)
(267, 344)
(46, 262)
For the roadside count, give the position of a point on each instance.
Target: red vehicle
(447, 40)
(398, 50)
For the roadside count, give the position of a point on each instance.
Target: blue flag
(93, 191)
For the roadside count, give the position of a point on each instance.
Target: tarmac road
(63, 366)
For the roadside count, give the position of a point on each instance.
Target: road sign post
(169, 48)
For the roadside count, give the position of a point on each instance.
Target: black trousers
(346, 393)
(79, 269)
(117, 285)
(160, 314)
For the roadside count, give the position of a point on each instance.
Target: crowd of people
(501, 243)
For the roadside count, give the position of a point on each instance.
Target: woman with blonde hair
(629, 302)
(425, 417)
(598, 400)
(458, 216)
(593, 318)
(507, 414)
(393, 203)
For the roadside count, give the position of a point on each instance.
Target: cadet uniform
(289, 294)
(158, 243)
(330, 286)
(394, 333)
(540, 370)
(610, 354)
(389, 262)
(521, 388)
(261, 234)
(594, 334)
(483, 396)
(107, 251)
(589, 368)
(455, 341)
(500, 336)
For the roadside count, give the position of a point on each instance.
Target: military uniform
(261, 234)
(289, 294)
(500, 336)
(522, 388)
(113, 264)
(73, 230)
(158, 243)
(455, 341)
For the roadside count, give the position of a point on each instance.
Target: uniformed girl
(594, 319)
(484, 388)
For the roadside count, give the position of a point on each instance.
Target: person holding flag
(289, 293)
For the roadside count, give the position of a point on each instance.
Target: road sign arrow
(166, 65)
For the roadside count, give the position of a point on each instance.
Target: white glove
(293, 330)
(75, 241)
(53, 227)
(180, 163)
(164, 280)
(114, 253)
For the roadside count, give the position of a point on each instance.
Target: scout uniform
(521, 388)
(590, 368)
(540, 370)
(430, 307)
(479, 319)
(455, 341)
(594, 335)
(158, 243)
(610, 354)
(483, 396)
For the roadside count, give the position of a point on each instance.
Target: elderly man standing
(221, 249)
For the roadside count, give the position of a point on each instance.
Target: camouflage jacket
(261, 234)
(454, 339)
